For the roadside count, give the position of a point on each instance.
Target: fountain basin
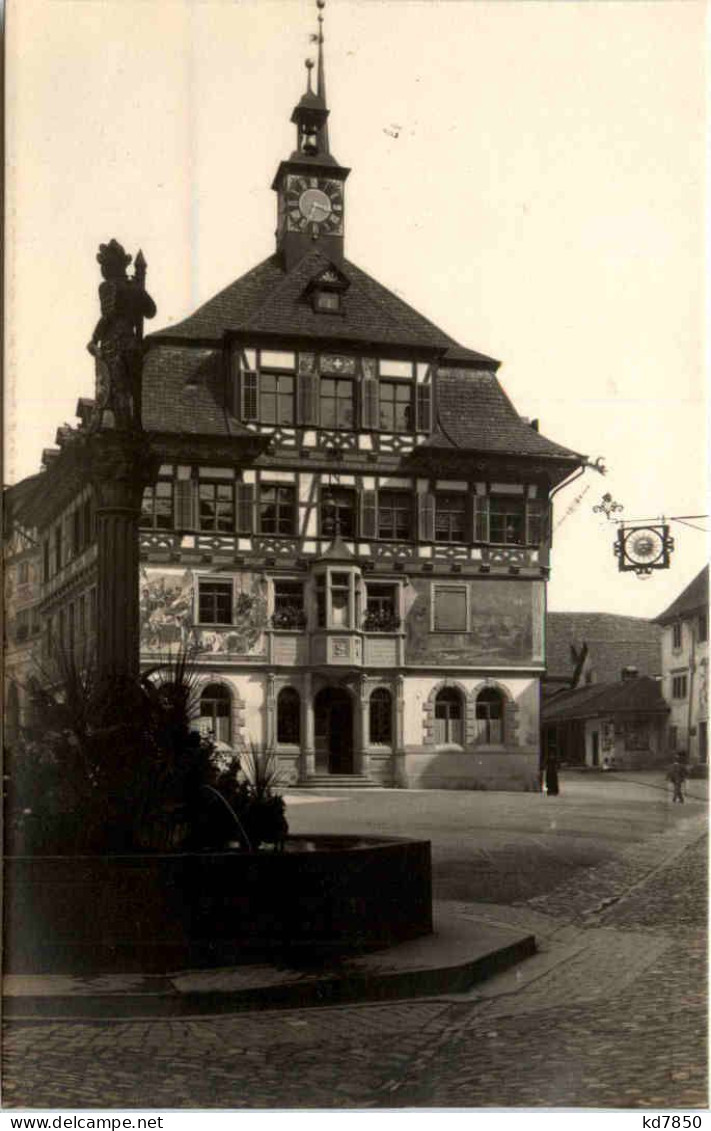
(321, 897)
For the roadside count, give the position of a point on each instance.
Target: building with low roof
(585, 648)
(605, 725)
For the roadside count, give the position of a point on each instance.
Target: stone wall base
(424, 768)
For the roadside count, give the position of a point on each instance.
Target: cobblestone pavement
(613, 1015)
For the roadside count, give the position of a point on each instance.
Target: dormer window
(327, 302)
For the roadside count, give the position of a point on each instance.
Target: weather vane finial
(309, 64)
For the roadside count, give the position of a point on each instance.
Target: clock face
(644, 545)
(314, 205)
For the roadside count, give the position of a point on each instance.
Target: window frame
(380, 718)
(227, 484)
(486, 717)
(396, 383)
(406, 495)
(328, 492)
(294, 698)
(453, 696)
(163, 481)
(278, 374)
(294, 610)
(224, 699)
(676, 636)
(520, 514)
(440, 511)
(680, 685)
(337, 379)
(202, 584)
(281, 509)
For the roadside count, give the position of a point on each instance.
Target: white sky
(543, 203)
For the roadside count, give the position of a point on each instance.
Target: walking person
(552, 789)
(677, 776)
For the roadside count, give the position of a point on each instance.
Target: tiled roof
(614, 642)
(183, 391)
(271, 301)
(692, 600)
(641, 695)
(474, 412)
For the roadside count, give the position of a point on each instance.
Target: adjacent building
(350, 523)
(685, 669)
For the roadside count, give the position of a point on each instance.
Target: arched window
(216, 713)
(490, 717)
(289, 717)
(449, 714)
(381, 717)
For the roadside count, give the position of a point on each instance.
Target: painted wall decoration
(168, 615)
(503, 625)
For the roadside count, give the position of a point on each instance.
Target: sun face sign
(641, 549)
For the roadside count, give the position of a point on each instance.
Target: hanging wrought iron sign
(641, 549)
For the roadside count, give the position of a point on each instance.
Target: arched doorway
(333, 731)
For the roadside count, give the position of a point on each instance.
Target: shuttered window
(423, 421)
(308, 398)
(425, 517)
(337, 402)
(369, 514)
(245, 507)
(395, 407)
(185, 505)
(450, 609)
(250, 395)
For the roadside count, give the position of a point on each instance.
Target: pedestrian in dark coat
(552, 776)
(677, 776)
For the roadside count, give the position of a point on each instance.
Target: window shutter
(425, 517)
(250, 395)
(370, 417)
(424, 408)
(369, 514)
(245, 507)
(534, 522)
(308, 398)
(185, 505)
(480, 518)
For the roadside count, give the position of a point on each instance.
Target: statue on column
(116, 341)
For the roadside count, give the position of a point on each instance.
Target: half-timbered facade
(349, 525)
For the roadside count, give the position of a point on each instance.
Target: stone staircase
(338, 781)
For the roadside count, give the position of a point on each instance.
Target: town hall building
(349, 527)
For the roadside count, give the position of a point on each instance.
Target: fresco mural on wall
(167, 616)
(501, 625)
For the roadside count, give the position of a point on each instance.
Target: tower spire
(321, 75)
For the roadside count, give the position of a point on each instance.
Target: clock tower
(310, 184)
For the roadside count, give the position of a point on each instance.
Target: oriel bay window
(337, 598)
(277, 509)
(214, 602)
